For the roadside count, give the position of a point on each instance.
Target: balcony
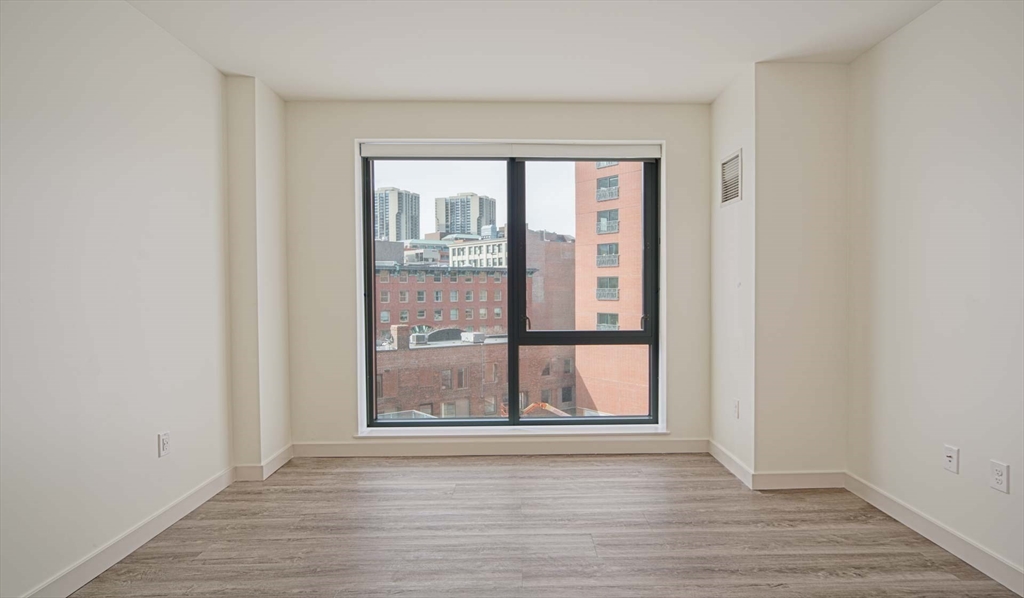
(607, 193)
(607, 261)
(607, 294)
(607, 326)
(606, 227)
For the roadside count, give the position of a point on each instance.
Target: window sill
(575, 430)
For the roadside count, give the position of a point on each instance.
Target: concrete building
(396, 214)
(490, 253)
(464, 213)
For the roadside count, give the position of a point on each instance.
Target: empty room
(512, 298)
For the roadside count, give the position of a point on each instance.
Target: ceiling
(520, 50)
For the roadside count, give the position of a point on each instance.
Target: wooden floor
(559, 527)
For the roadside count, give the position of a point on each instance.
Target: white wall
(732, 273)
(112, 269)
(259, 279)
(272, 283)
(937, 274)
(322, 259)
(801, 247)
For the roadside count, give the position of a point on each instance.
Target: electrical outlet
(951, 459)
(163, 444)
(736, 409)
(999, 476)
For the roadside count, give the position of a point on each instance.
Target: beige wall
(937, 276)
(322, 260)
(272, 277)
(801, 248)
(259, 280)
(112, 254)
(732, 273)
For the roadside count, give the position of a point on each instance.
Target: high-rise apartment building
(609, 284)
(396, 214)
(465, 213)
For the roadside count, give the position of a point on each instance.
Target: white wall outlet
(999, 476)
(951, 458)
(736, 409)
(163, 444)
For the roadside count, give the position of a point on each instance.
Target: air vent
(732, 184)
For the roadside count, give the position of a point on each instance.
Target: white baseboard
(734, 465)
(258, 473)
(393, 447)
(85, 570)
(792, 480)
(969, 551)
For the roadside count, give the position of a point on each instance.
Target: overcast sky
(550, 188)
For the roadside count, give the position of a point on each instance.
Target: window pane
(584, 381)
(445, 362)
(584, 244)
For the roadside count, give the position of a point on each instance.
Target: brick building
(609, 285)
(432, 296)
(469, 378)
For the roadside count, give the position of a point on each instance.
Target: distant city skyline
(550, 188)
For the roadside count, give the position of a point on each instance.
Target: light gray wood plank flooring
(644, 526)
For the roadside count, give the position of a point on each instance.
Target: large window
(537, 344)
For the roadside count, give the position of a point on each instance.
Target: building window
(567, 366)
(403, 316)
(468, 279)
(426, 408)
(469, 314)
(606, 164)
(497, 295)
(607, 222)
(453, 277)
(453, 296)
(469, 295)
(385, 316)
(421, 296)
(453, 314)
(607, 255)
(379, 386)
(545, 396)
(421, 314)
(438, 297)
(567, 394)
(446, 379)
(385, 297)
(547, 369)
(403, 296)
(490, 406)
(483, 295)
(421, 277)
(607, 288)
(483, 313)
(497, 313)
(495, 372)
(607, 321)
(608, 188)
(403, 276)
(460, 378)
(437, 277)
(438, 315)
(385, 276)
(448, 409)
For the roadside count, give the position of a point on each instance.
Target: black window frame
(519, 334)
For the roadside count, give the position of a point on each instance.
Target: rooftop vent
(418, 339)
(473, 337)
(732, 182)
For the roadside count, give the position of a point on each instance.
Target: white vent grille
(732, 185)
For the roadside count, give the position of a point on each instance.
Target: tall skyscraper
(396, 214)
(465, 213)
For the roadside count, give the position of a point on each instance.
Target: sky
(550, 188)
